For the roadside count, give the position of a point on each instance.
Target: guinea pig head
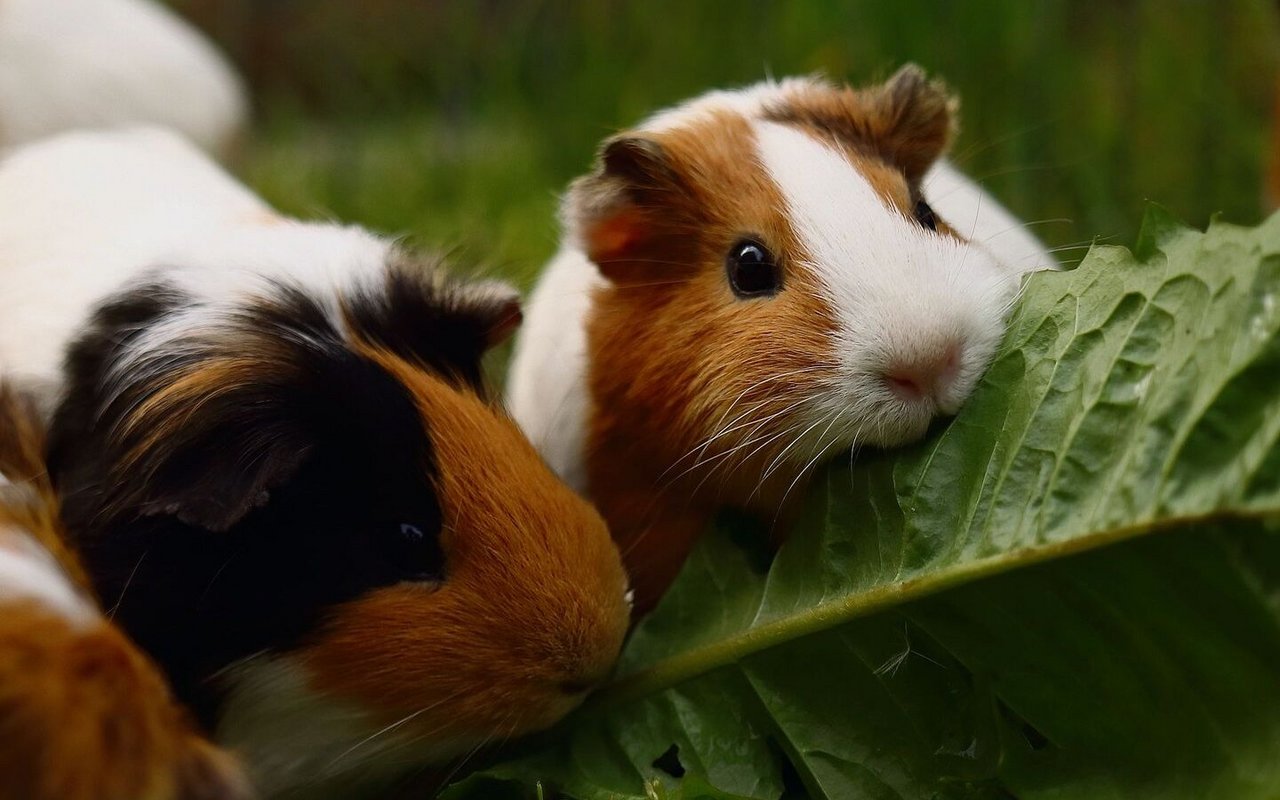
(311, 500)
(531, 611)
(777, 289)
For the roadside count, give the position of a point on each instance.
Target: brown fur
(29, 504)
(683, 377)
(654, 403)
(531, 613)
(891, 133)
(83, 714)
(908, 121)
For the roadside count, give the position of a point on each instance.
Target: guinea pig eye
(416, 553)
(924, 215)
(753, 271)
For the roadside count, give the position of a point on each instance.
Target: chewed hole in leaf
(1035, 739)
(669, 762)
(792, 785)
(753, 539)
(1032, 735)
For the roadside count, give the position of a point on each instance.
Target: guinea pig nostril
(905, 384)
(924, 377)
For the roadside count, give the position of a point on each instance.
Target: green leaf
(1072, 590)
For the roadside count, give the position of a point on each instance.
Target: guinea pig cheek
(423, 658)
(788, 397)
(532, 598)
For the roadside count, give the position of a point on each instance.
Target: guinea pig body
(83, 714)
(749, 284)
(280, 464)
(81, 215)
(79, 64)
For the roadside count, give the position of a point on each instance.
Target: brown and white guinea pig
(83, 714)
(280, 464)
(750, 283)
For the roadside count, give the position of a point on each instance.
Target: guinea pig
(83, 714)
(750, 283)
(74, 64)
(282, 467)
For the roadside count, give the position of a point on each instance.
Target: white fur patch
(226, 269)
(293, 738)
(547, 391)
(900, 292)
(981, 218)
(28, 572)
(749, 102)
(83, 213)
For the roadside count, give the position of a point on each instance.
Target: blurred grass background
(458, 122)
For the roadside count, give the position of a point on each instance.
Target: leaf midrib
(673, 670)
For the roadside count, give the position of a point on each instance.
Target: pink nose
(928, 376)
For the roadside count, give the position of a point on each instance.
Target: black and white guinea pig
(280, 464)
(750, 283)
(83, 714)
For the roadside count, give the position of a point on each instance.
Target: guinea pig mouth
(891, 421)
(906, 426)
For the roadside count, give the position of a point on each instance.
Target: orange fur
(531, 613)
(653, 403)
(83, 714)
(693, 393)
(29, 504)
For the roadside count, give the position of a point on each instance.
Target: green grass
(458, 123)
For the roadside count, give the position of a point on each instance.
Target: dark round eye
(416, 553)
(753, 271)
(924, 215)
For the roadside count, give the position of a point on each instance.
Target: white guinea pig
(749, 283)
(68, 64)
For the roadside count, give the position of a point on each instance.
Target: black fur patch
(274, 498)
(444, 327)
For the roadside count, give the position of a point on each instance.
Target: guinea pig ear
(617, 212)
(494, 309)
(426, 316)
(212, 483)
(910, 120)
(206, 444)
(202, 427)
(639, 159)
